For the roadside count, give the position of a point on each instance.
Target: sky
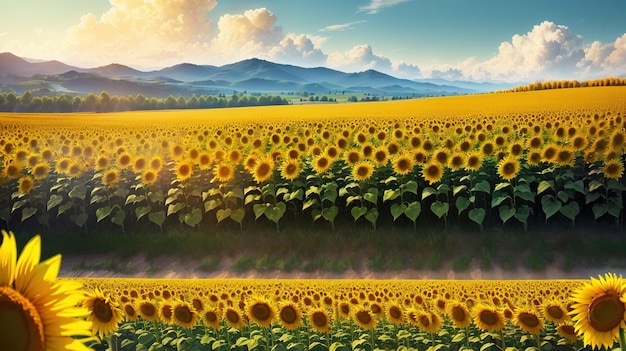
(475, 40)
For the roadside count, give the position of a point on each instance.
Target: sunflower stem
(622, 339)
(502, 339)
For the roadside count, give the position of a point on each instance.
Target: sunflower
(579, 142)
(211, 318)
(617, 140)
(124, 160)
(487, 148)
(41, 170)
(456, 162)
(290, 316)
(432, 172)
(402, 164)
(564, 156)
(223, 172)
(263, 170)
(528, 321)
(321, 164)
(130, 313)
(380, 156)
(351, 157)
(149, 177)
(441, 155)
(13, 170)
(290, 170)
(394, 313)
(204, 161)
(261, 311)
(364, 318)
(508, 168)
(319, 320)
(549, 152)
(148, 310)
(184, 314)
(516, 149)
(474, 161)
(568, 332)
(103, 313)
(156, 163)
(459, 314)
(139, 164)
(111, 177)
(26, 184)
(420, 156)
(613, 169)
(184, 171)
(62, 166)
(37, 311)
(534, 158)
(488, 318)
(362, 170)
(428, 321)
(166, 312)
(233, 318)
(598, 310)
(344, 309)
(555, 312)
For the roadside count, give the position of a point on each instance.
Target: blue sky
(480, 40)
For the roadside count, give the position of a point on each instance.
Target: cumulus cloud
(362, 57)
(376, 5)
(301, 49)
(149, 32)
(340, 27)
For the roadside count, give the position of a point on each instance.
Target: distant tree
(90, 102)
(193, 102)
(170, 102)
(324, 98)
(10, 102)
(104, 102)
(25, 101)
(352, 99)
(181, 102)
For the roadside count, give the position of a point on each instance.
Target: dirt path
(107, 266)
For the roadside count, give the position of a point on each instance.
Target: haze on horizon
(480, 40)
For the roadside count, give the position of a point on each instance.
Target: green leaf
(78, 192)
(372, 215)
(613, 184)
(212, 204)
(157, 217)
(358, 211)
(563, 196)
(522, 213)
(194, 218)
(371, 196)
(397, 210)
(524, 195)
(544, 185)
(5, 214)
(223, 213)
(134, 198)
(443, 189)
(461, 203)
(310, 202)
(427, 192)
(459, 337)
(63, 208)
(157, 197)
(413, 210)
(477, 215)
(482, 186)
(488, 346)
(296, 195)
(142, 211)
(351, 198)
(276, 212)
(103, 212)
(594, 185)
(238, 215)
(79, 219)
(506, 212)
(577, 186)
(337, 346)
(409, 187)
(391, 194)
(249, 198)
(570, 210)
(171, 209)
(329, 194)
(458, 188)
(498, 198)
(439, 208)
(501, 186)
(18, 204)
(591, 197)
(550, 205)
(118, 217)
(28, 212)
(615, 206)
(329, 213)
(236, 193)
(54, 201)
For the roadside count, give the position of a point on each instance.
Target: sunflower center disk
(606, 311)
(458, 314)
(102, 311)
(183, 314)
(529, 320)
(319, 320)
(21, 328)
(488, 317)
(555, 312)
(288, 315)
(261, 312)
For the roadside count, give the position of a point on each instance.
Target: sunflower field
(484, 160)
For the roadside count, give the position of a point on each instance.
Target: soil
(110, 266)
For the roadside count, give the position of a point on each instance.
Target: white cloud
(300, 49)
(362, 57)
(376, 5)
(146, 32)
(340, 27)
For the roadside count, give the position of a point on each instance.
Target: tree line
(104, 102)
(564, 84)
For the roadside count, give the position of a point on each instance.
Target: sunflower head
(613, 169)
(432, 172)
(364, 318)
(528, 321)
(488, 317)
(508, 168)
(290, 316)
(598, 310)
(103, 312)
(363, 170)
(261, 311)
(184, 314)
(319, 320)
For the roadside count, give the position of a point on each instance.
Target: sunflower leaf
(506, 213)
(477, 215)
(413, 210)
(439, 208)
(142, 211)
(357, 212)
(397, 210)
(157, 218)
(28, 212)
(570, 210)
(550, 205)
(391, 194)
(461, 203)
(103, 212)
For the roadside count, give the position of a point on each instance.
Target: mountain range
(253, 76)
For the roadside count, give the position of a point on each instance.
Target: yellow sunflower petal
(54, 265)
(29, 259)
(8, 255)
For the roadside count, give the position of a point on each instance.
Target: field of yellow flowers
(515, 159)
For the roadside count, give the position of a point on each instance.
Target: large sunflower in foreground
(598, 310)
(37, 312)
